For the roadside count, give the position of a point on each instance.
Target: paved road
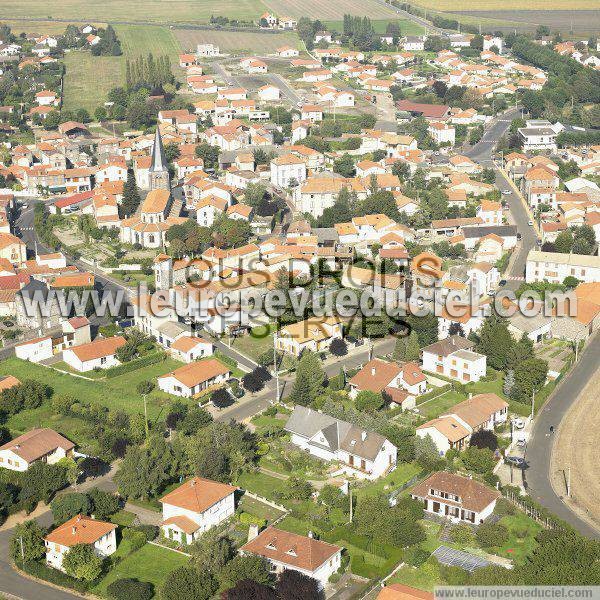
(249, 405)
(539, 450)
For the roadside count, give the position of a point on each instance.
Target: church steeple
(159, 171)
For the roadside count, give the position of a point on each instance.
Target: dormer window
(272, 545)
(292, 551)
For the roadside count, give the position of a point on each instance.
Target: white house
(554, 267)
(361, 453)
(269, 93)
(80, 530)
(285, 550)
(287, 168)
(453, 357)
(442, 133)
(490, 212)
(194, 378)
(99, 353)
(453, 430)
(35, 445)
(539, 135)
(189, 348)
(456, 498)
(315, 334)
(492, 40)
(207, 50)
(35, 350)
(194, 507)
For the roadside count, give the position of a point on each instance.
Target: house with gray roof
(361, 453)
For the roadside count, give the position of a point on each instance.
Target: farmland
(155, 11)
(508, 5)
(43, 27)
(331, 11)
(89, 78)
(407, 27)
(235, 41)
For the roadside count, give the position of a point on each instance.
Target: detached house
(453, 357)
(97, 354)
(194, 507)
(456, 498)
(80, 530)
(454, 429)
(194, 379)
(313, 334)
(36, 445)
(285, 550)
(361, 453)
(399, 383)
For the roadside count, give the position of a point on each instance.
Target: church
(158, 212)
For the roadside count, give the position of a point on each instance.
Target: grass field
(333, 10)
(236, 41)
(43, 27)
(150, 563)
(407, 27)
(116, 393)
(89, 78)
(156, 11)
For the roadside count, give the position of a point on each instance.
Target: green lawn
(258, 341)
(522, 542)
(261, 484)
(431, 409)
(259, 509)
(124, 518)
(401, 474)
(150, 563)
(88, 79)
(116, 393)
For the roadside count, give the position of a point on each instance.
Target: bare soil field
(509, 5)
(577, 446)
(332, 10)
(235, 41)
(565, 20)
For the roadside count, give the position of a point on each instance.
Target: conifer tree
(309, 379)
(131, 196)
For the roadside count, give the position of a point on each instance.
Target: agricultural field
(407, 27)
(236, 41)
(508, 5)
(331, 11)
(89, 78)
(155, 11)
(43, 27)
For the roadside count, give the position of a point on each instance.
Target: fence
(531, 511)
(266, 501)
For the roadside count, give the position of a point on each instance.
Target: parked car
(517, 461)
(506, 192)
(502, 282)
(530, 223)
(518, 423)
(521, 443)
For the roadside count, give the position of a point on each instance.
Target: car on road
(502, 282)
(530, 223)
(506, 192)
(519, 236)
(521, 443)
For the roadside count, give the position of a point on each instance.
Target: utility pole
(351, 510)
(22, 551)
(275, 365)
(532, 404)
(568, 482)
(145, 416)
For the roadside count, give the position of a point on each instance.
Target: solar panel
(457, 558)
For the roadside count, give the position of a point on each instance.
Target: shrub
(130, 589)
(416, 556)
(248, 519)
(270, 412)
(134, 365)
(135, 538)
(150, 531)
(462, 534)
(492, 534)
(41, 571)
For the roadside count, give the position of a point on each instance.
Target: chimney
(373, 371)
(363, 436)
(252, 532)
(73, 530)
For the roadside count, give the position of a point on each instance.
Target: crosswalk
(514, 278)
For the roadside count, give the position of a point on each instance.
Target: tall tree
(131, 196)
(309, 379)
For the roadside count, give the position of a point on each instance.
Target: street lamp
(275, 366)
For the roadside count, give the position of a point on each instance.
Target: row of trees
(147, 71)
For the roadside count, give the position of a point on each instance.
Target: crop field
(235, 41)
(333, 10)
(407, 27)
(43, 27)
(89, 78)
(156, 11)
